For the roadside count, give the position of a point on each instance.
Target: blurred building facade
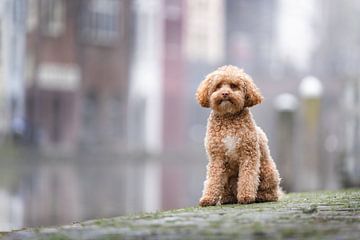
(336, 62)
(77, 68)
(251, 35)
(13, 37)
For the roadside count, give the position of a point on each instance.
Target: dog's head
(228, 90)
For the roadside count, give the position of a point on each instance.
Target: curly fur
(240, 168)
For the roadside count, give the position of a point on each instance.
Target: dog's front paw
(246, 199)
(207, 201)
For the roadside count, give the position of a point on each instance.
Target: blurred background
(97, 110)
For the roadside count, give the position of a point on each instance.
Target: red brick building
(77, 71)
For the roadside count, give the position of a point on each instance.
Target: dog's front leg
(214, 184)
(248, 178)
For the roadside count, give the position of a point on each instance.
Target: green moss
(111, 237)
(258, 228)
(55, 237)
(288, 232)
(310, 209)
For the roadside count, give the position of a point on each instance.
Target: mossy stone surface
(317, 215)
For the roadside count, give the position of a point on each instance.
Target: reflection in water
(49, 190)
(11, 211)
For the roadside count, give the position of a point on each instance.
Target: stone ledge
(315, 215)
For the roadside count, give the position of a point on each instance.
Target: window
(52, 17)
(100, 21)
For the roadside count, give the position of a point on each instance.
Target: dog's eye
(234, 86)
(218, 86)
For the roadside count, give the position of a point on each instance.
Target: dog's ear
(253, 95)
(202, 93)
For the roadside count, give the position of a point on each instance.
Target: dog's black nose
(225, 94)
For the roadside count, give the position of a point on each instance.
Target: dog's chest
(230, 145)
(226, 136)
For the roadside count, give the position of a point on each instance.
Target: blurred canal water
(43, 189)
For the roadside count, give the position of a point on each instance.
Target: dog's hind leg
(269, 189)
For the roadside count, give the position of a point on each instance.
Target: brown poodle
(240, 168)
